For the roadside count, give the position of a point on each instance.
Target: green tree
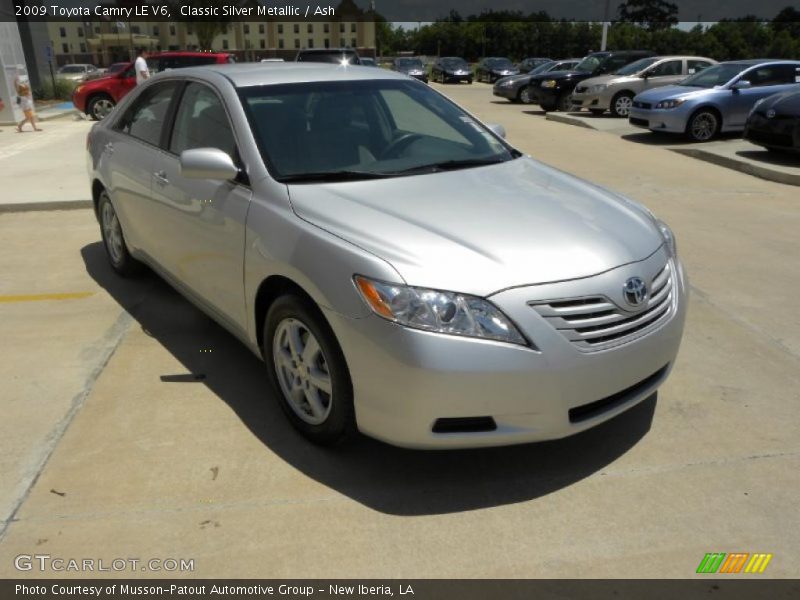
(650, 14)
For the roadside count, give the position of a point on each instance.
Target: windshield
(713, 76)
(543, 68)
(499, 63)
(590, 63)
(117, 67)
(455, 63)
(408, 63)
(338, 130)
(635, 67)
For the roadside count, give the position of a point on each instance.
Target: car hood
(673, 91)
(561, 75)
(521, 78)
(483, 229)
(787, 103)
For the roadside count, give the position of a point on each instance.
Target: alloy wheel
(112, 232)
(703, 126)
(622, 105)
(101, 108)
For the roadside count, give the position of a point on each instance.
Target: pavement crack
(108, 345)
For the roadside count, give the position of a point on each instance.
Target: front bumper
(406, 381)
(458, 77)
(590, 101)
(423, 77)
(670, 120)
(509, 92)
(781, 131)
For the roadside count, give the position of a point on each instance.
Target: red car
(97, 97)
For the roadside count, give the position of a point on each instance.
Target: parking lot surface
(135, 427)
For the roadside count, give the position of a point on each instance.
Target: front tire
(564, 102)
(307, 371)
(524, 95)
(99, 106)
(114, 240)
(703, 125)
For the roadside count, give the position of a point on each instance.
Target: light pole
(605, 26)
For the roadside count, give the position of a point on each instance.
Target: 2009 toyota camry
(401, 269)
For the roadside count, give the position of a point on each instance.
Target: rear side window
(695, 66)
(201, 122)
(145, 119)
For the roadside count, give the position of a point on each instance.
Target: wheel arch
(709, 107)
(269, 290)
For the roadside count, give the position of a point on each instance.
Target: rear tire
(114, 240)
(307, 370)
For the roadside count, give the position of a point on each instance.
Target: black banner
(413, 589)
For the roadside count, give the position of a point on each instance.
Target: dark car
(413, 67)
(529, 64)
(451, 68)
(552, 90)
(515, 87)
(97, 97)
(774, 122)
(493, 68)
(337, 56)
(367, 62)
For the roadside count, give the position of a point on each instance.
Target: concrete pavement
(136, 427)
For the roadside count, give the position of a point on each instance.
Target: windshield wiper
(449, 165)
(323, 176)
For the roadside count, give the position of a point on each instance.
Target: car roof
(759, 61)
(252, 74)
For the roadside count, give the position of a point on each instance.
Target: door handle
(161, 178)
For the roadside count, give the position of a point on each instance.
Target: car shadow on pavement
(540, 112)
(782, 159)
(384, 478)
(658, 138)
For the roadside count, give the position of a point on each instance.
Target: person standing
(142, 71)
(26, 104)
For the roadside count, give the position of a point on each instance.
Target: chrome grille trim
(596, 323)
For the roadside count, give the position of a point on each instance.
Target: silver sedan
(402, 270)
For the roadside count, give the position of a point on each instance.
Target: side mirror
(207, 163)
(497, 129)
(647, 74)
(742, 84)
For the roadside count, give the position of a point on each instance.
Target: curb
(42, 206)
(551, 116)
(741, 166)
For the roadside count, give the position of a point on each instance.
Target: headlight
(668, 236)
(506, 83)
(674, 103)
(549, 83)
(78, 89)
(438, 311)
(595, 89)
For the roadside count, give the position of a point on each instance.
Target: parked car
(76, 72)
(339, 56)
(552, 91)
(529, 64)
(493, 68)
(615, 92)
(774, 121)
(368, 62)
(412, 67)
(336, 221)
(451, 68)
(98, 97)
(271, 60)
(515, 87)
(714, 100)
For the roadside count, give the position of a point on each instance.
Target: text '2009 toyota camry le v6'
(401, 269)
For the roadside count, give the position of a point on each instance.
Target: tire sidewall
(127, 265)
(340, 422)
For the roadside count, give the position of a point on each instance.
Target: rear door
(130, 153)
(205, 218)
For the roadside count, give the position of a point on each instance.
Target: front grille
(641, 122)
(595, 322)
(644, 105)
(598, 407)
(464, 425)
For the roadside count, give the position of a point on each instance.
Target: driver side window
(145, 119)
(671, 67)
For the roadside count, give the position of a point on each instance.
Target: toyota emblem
(635, 291)
(770, 113)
